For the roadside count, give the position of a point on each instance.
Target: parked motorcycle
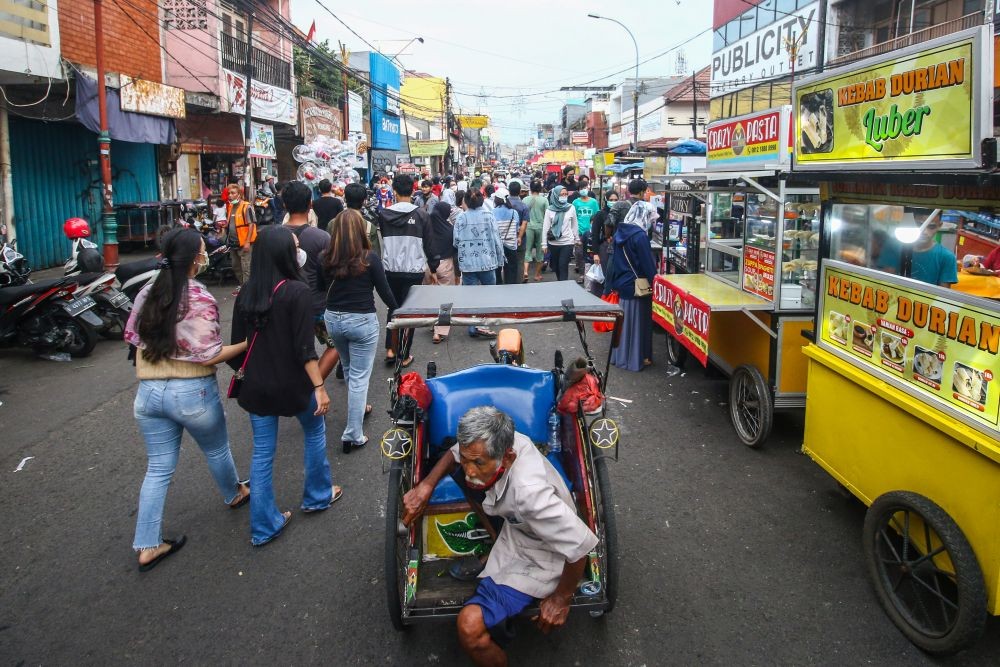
(46, 315)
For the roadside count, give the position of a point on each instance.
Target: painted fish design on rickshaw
(464, 537)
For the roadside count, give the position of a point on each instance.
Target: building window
(184, 15)
(233, 21)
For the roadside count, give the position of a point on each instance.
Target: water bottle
(554, 444)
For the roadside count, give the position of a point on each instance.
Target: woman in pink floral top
(175, 327)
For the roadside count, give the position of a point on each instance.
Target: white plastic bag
(595, 273)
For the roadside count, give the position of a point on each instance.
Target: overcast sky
(516, 52)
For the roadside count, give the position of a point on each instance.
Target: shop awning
(211, 133)
(129, 126)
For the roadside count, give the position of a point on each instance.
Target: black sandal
(175, 546)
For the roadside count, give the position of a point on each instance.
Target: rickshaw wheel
(677, 354)
(926, 576)
(609, 527)
(396, 542)
(751, 407)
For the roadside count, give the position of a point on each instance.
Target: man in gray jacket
(542, 549)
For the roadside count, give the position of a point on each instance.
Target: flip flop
(483, 332)
(336, 493)
(278, 534)
(437, 339)
(242, 501)
(175, 546)
(406, 362)
(389, 361)
(368, 410)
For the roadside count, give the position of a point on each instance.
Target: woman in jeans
(480, 251)
(353, 270)
(274, 314)
(559, 231)
(443, 246)
(175, 327)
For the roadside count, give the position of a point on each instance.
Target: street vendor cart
(903, 405)
(754, 230)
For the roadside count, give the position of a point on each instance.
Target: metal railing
(940, 30)
(267, 68)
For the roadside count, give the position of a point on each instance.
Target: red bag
(606, 327)
(411, 384)
(586, 390)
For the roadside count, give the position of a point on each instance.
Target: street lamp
(635, 88)
(415, 39)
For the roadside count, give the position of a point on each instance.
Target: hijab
(560, 209)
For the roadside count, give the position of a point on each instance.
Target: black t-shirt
(314, 242)
(327, 208)
(354, 295)
(276, 381)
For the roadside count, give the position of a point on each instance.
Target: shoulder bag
(642, 287)
(236, 383)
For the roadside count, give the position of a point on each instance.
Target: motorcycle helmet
(76, 228)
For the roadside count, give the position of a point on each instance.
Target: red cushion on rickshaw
(526, 394)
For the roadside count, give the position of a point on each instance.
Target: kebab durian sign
(938, 345)
(918, 107)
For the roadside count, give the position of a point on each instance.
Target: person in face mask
(281, 378)
(178, 342)
(539, 557)
(631, 259)
(560, 231)
(585, 206)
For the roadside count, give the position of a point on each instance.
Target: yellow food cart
(750, 239)
(903, 406)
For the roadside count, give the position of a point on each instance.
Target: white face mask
(584, 192)
(301, 257)
(563, 200)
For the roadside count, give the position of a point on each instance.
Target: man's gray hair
(489, 425)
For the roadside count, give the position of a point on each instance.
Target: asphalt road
(730, 555)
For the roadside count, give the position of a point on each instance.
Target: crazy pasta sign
(683, 316)
(921, 108)
(940, 345)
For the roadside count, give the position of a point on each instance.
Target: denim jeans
(265, 517)
(478, 278)
(356, 338)
(163, 410)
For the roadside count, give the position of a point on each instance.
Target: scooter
(45, 316)
(87, 265)
(86, 258)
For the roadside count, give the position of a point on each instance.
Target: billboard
(473, 122)
(318, 119)
(921, 106)
(355, 115)
(754, 139)
(149, 97)
(385, 84)
(423, 96)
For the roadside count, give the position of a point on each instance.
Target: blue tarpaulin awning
(122, 125)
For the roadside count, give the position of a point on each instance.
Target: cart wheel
(677, 354)
(925, 573)
(750, 406)
(557, 362)
(396, 542)
(607, 533)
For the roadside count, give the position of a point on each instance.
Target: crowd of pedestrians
(312, 277)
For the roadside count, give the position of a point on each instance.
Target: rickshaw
(417, 557)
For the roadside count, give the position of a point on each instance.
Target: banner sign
(151, 98)
(938, 345)
(579, 138)
(763, 55)
(428, 147)
(758, 271)
(318, 119)
(262, 141)
(384, 102)
(929, 196)
(760, 138)
(355, 113)
(269, 102)
(918, 107)
(683, 316)
(473, 122)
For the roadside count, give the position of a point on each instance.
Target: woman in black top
(443, 247)
(353, 271)
(281, 378)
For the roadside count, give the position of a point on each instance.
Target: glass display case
(800, 250)
(725, 236)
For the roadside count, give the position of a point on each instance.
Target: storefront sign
(579, 138)
(761, 138)
(262, 141)
(381, 160)
(764, 55)
(683, 316)
(384, 109)
(428, 147)
(355, 113)
(318, 120)
(654, 166)
(758, 271)
(928, 196)
(918, 107)
(269, 102)
(151, 98)
(936, 344)
(473, 122)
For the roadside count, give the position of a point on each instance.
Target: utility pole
(108, 223)
(247, 173)
(343, 75)
(694, 105)
(448, 163)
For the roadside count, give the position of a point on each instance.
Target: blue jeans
(478, 278)
(163, 410)
(355, 336)
(317, 492)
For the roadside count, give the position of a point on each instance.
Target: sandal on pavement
(288, 519)
(436, 339)
(483, 332)
(351, 445)
(241, 499)
(406, 362)
(175, 546)
(368, 410)
(335, 495)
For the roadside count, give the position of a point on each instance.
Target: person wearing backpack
(511, 227)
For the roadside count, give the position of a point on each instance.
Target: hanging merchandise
(327, 158)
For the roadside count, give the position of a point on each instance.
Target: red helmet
(76, 228)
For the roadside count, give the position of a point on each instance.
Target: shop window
(748, 23)
(744, 101)
(781, 93)
(715, 108)
(719, 39)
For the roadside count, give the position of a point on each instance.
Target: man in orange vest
(241, 232)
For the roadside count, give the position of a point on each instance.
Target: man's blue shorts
(498, 602)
